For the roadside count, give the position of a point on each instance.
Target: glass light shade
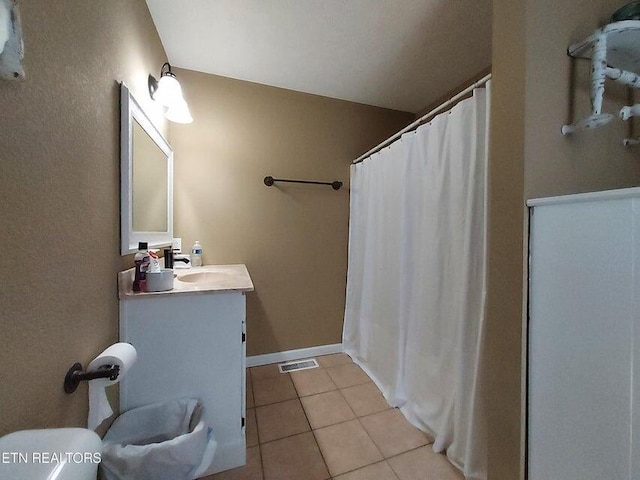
(169, 91)
(179, 113)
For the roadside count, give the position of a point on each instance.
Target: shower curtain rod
(423, 119)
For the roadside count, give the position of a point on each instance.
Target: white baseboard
(285, 356)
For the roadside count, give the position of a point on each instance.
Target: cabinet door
(190, 345)
(582, 325)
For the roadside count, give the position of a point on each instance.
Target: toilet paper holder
(75, 375)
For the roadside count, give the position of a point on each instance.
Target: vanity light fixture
(179, 113)
(168, 93)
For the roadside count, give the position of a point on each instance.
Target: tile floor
(330, 422)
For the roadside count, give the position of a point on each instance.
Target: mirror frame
(130, 110)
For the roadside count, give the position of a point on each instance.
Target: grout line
(315, 439)
(255, 414)
(272, 403)
(385, 460)
(368, 465)
(312, 430)
(347, 403)
(371, 439)
(318, 393)
(429, 442)
(275, 403)
(287, 436)
(345, 421)
(410, 450)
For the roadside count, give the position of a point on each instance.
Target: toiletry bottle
(154, 262)
(196, 254)
(142, 264)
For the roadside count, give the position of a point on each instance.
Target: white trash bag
(161, 441)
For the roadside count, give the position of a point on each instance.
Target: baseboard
(287, 355)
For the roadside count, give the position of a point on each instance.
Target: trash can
(161, 441)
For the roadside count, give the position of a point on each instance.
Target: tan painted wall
(586, 161)
(59, 199)
(501, 387)
(532, 98)
(293, 238)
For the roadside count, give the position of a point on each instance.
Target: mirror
(146, 179)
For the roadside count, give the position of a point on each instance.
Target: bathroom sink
(208, 278)
(205, 277)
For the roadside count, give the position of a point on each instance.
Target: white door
(583, 320)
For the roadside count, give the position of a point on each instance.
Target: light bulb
(169, 91)
(179, 113)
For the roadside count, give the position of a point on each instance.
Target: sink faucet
(168, 258)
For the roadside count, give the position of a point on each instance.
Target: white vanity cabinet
(191, 343)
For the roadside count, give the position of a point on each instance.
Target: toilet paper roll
(122, 354)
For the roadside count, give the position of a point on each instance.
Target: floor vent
(298, 365)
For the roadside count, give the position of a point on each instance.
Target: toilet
(50, 454)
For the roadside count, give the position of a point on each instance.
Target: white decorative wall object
(11, 46)
(614, 51)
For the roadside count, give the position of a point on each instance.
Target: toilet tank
(50, 454)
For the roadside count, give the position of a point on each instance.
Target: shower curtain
(416, 279)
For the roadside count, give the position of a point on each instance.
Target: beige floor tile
(251, 471)
(347, 375)
(377, 471)
(249, 390)
(312, 381)
(265, 371)
(346, 446)
(252, 428)
(424, 464)
(334, 360)
(273, 390)
(365, 399)
(281, 420)
(293, 458)
(326, 409)
(392, 433)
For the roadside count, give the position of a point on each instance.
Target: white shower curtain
(416, 280)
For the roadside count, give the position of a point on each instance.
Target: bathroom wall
(59, 198)
(586, 161)
(500, 387)
(535, 90)
(293, 238)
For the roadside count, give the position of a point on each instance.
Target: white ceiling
(400, 54)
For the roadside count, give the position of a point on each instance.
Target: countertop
(217, 278)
